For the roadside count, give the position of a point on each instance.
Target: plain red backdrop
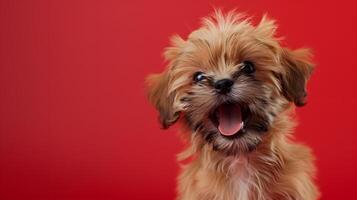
(74, 119)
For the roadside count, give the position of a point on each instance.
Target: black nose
(223, 86)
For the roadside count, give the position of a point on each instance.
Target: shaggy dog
(234, 88)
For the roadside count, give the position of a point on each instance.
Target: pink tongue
(230, 119)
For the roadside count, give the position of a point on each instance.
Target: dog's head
(229, 81)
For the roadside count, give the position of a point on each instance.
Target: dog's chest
(234, 184)
(241, 180)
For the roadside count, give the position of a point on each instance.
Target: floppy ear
(160, 97)
(158, 87)
(297, 70)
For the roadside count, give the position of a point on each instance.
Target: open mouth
(229, 119)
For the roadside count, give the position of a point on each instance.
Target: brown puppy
(234, 89)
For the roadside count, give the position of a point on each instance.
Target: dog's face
(228, 81)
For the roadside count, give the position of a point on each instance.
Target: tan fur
(262, 164)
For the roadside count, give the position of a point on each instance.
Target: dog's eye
(248, 67)
(198, 76)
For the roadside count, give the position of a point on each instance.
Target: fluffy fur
(262, 163)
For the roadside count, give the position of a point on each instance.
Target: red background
(74, 119)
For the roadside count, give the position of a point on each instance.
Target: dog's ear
(160, 97)
(159, 92)
(297, 68)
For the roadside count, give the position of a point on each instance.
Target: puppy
(234, 88)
